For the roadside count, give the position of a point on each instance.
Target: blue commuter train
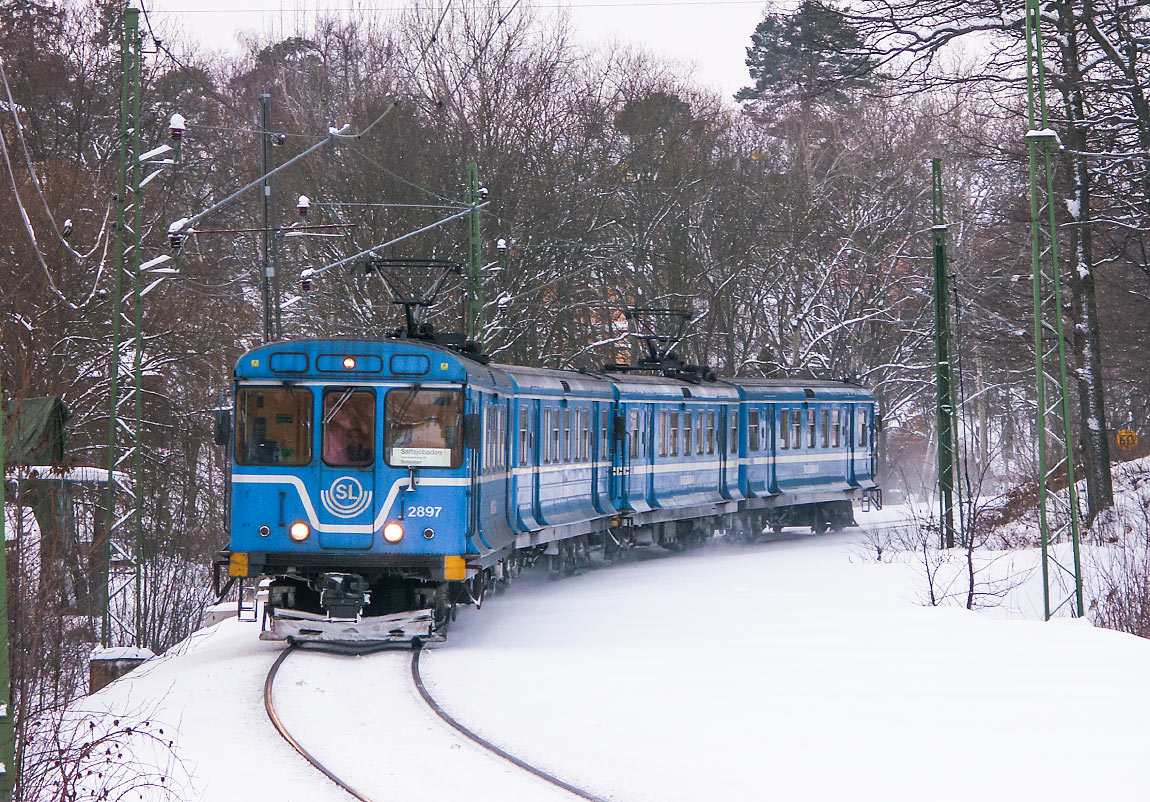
(377, 482)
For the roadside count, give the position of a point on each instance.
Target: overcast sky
(711, 35)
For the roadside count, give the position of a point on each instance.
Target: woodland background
(794, 220)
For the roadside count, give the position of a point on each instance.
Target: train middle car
(376, 483)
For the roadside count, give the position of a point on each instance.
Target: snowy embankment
(794, 670)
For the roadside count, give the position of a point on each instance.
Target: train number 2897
(424, 512)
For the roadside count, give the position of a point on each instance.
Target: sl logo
(346, 498)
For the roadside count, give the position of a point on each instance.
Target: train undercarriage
(373, 605)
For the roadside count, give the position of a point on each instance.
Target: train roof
(418, 360)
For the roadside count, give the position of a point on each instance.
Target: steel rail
(269, 706)
(486, 744)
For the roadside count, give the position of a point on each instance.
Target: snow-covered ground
(794, 670)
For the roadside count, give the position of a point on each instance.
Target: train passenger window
(733, 445)
(524, 423)
(663, 433)
(862, 427)
(700, 435)
(273, 426)
(674, 434)
(846, 428)
(835, 441)
(546, 435)
(604, 451)
(567, 455)
(585, 418)
(501, 455)
(784, 426)
(753, 429)
(423, 428)
(687, 434)
(796, 428)
(810, 428)
(710, 431)
(634, 434)
(556, 452)
(826, 428)
(348, 427)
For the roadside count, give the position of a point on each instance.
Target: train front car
(350, 487)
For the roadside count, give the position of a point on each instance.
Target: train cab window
(733, 445)
(634, 434)
(348, 427)
(423, 428)
(674, 434)
(811, 428)
(796, 428)
(687, 434)
(273, 426)
(784, 426)
(835, 440)
(710, 431)
(826, 429)
(753, 429)
(524, 428)
(862, 427)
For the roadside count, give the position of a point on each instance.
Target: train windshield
(423, 428)
(273, 426)
(348, 427)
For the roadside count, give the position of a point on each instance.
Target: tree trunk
(1087, 339)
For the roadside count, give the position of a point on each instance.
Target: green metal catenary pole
(1052, 420)
(137, 305)
(7, 714)
(474, 260)
(944, 375)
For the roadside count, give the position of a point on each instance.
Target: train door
(852, 440)
(637, 467)
(601, 457)
(349, 450)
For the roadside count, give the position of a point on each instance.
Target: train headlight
(299, 531)
(393, 532)
(349, 362)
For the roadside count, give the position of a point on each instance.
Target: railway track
(433, 705)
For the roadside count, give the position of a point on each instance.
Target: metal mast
(474, 259)
(1057, 515)
(943, 369)
(122, 565)
(268, 270)
(7, 714)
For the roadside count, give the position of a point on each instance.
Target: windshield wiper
(338, 405)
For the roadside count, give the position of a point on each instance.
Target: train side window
(710, 431)
(633, 446)
(556, 451)
(663, 433)
(674, 434)
(604, 451)
(567, 455)
(273, 426)
(796, 428)
(523, 428)
(862, 427)
(846, 428)
(810, 428)
(753, 429)
(700, 432)
(835, 441)
(733, 446)
(826, 428)
(587, 434)
(687, 434)
(348, 427)
(502, 456)
(784, 426)
(547, 435)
